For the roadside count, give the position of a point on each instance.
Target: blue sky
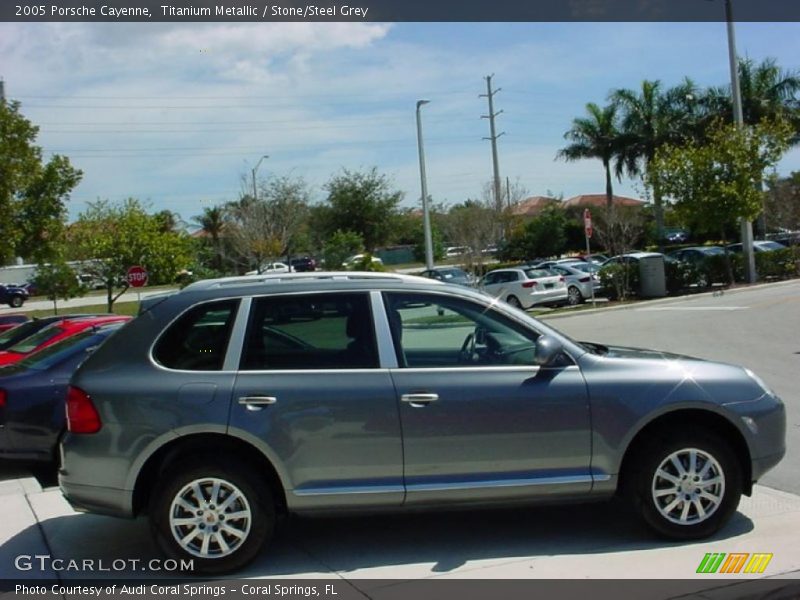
(177, 114)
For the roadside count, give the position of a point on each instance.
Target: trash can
(652, 276)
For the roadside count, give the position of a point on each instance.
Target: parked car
(235, 401)
(698, 257)
(13, 295)
(53, 333)
(303, 264)
(758, 246)
(352, 261)
(33, 395)
(273, 267)
(9, 321)
(579, 283)
(597, 259)
(450, 275)
(10, 337)
(455, 251)
(676, 235)
(525, 287)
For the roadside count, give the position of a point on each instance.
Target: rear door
(311, 394)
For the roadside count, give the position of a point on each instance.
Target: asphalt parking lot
(755, 327)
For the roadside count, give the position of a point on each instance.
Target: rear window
(31, 343)
(538, 273)
(60, 351)
(198, 340)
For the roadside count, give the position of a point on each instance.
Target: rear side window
(198, 340)
(310, 331)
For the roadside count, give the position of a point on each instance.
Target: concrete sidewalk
(568, 542)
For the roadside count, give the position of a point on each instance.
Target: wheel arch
(682, 418)
(195, 444)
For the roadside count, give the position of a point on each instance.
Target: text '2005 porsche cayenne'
(236, 400)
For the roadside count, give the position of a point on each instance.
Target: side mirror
(547, 350)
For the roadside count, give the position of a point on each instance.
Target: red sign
(137, 276)
(587, 222)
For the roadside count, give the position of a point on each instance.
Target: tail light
(561, 279)
(530, 284)
(82, 416)
(2, 398)
(586, 279)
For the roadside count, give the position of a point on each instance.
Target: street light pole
(426, 216)
(258, 164)
(738, 118)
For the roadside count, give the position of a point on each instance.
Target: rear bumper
(104, 501)
(547, 297)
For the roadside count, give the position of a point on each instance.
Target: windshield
(30, 344)
(18, 332)
(60, 351)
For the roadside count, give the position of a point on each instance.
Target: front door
(480, 421)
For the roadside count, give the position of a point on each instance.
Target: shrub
(620, 281)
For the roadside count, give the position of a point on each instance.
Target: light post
(258, 164)
(426, 216)
(736, 95)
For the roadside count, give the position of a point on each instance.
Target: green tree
(110, 238)
(32, 194)
(713, 183)
(340, 246)
(541, 237)
(364, 203)
(595, 136)
(212, 222)
(57, 281)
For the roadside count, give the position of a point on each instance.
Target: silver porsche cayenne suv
(233, 401)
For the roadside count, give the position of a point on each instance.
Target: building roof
(532, 206)
(599, 201)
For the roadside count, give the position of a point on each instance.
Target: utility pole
(426, 213)
(2, 92)
(254, 169)
(736, 94)
(498, 193)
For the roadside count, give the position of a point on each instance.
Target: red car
(12, 320)
(52, 334)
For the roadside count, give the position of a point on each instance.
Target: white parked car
(273, 267)
(454, 251)
(350, 262)
(526, 287)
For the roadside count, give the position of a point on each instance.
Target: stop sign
(137, 276)
(587, 222)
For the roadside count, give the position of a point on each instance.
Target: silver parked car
(235, 400)
(525, 287)
(580, 284)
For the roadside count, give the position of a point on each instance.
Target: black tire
(258, 503)
(574, 296)
(514, 301)
(16, 301)
(643, 484)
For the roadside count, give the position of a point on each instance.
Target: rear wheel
(686, 486)
(514, 301)
(214, 512)
(15, 301)
(574, 296)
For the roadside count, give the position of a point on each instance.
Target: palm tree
(651, 117)
(594, 136)
(213, 222)
(767, 93)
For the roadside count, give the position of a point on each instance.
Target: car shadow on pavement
(403, 546)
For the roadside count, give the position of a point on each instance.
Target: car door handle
(419, 400)
(257, 402)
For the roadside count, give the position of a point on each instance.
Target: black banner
(397, 10)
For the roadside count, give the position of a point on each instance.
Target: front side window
(310, 331)
(434, 331)
(198, 340)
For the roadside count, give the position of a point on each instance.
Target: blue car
(33, 394)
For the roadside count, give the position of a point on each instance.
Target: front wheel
(15, 301)
(687, 486)
(213, 512)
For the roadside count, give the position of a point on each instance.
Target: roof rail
(321, 276)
